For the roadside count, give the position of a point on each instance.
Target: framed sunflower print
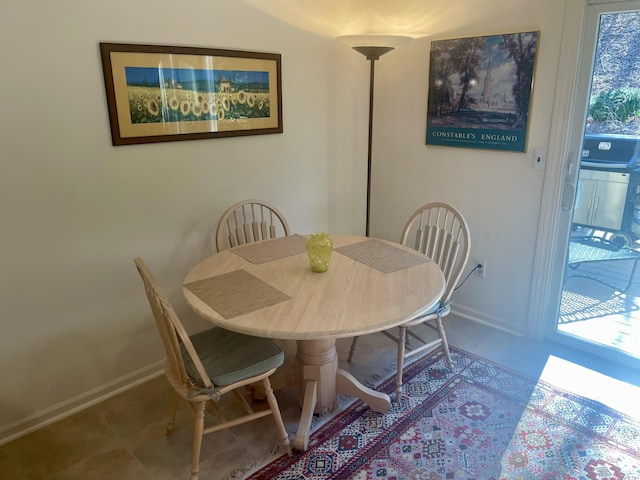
(158, 93)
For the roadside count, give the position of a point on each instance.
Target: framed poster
(480, 91)
(159, 93)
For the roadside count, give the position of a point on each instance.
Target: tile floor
(123, 437)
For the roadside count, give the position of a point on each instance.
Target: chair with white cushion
(203, 367)
(439, 231)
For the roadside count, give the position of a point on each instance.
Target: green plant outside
(617, 105)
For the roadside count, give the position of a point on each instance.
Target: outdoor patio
(595, 311)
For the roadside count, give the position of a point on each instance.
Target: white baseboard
(22, 427)
(483, 318)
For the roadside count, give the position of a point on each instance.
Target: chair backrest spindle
(247, 222)
(171, 330)
(441, 233)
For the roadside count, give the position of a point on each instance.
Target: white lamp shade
(392, 41)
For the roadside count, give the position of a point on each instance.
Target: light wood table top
(267, 289)
(350, 299)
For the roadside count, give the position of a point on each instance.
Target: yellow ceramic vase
(319, 248)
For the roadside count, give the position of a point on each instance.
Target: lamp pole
(380, 44)
(372, 54)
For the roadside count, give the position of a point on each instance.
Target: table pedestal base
(319, 381)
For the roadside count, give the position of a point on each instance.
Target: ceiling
(415, 18)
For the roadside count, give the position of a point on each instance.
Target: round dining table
(267, 289)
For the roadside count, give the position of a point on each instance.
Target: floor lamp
(372, 47)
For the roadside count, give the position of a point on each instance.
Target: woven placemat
(236, 293)
(383, 257)
(275, 249)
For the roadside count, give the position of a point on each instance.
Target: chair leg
(445, 345)
(352, 349)
(198, 432)
(277, 416)
(175, 401)
(402, 337)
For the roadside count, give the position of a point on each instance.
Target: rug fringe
(256, 463)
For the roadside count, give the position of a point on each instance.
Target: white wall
(498, 192)
(76, 210)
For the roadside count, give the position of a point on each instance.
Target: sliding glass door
(598, 234)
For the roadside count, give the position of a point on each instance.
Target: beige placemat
(382, 256)
(236, 293)
(275, 249)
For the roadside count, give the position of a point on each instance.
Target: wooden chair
(249, 221)
(246, 222)
(439, 231)
(205, 366)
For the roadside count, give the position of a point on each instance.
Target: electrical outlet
(481, 268)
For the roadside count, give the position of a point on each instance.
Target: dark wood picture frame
(159, 93)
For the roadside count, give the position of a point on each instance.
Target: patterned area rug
(483, 422)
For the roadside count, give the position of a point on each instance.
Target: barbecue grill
(611, 152)
(609, 185)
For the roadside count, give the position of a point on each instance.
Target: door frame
(565, 143)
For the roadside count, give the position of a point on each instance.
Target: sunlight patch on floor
(582, 381)
(615, 331)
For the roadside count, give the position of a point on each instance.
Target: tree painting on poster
(480, 91)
